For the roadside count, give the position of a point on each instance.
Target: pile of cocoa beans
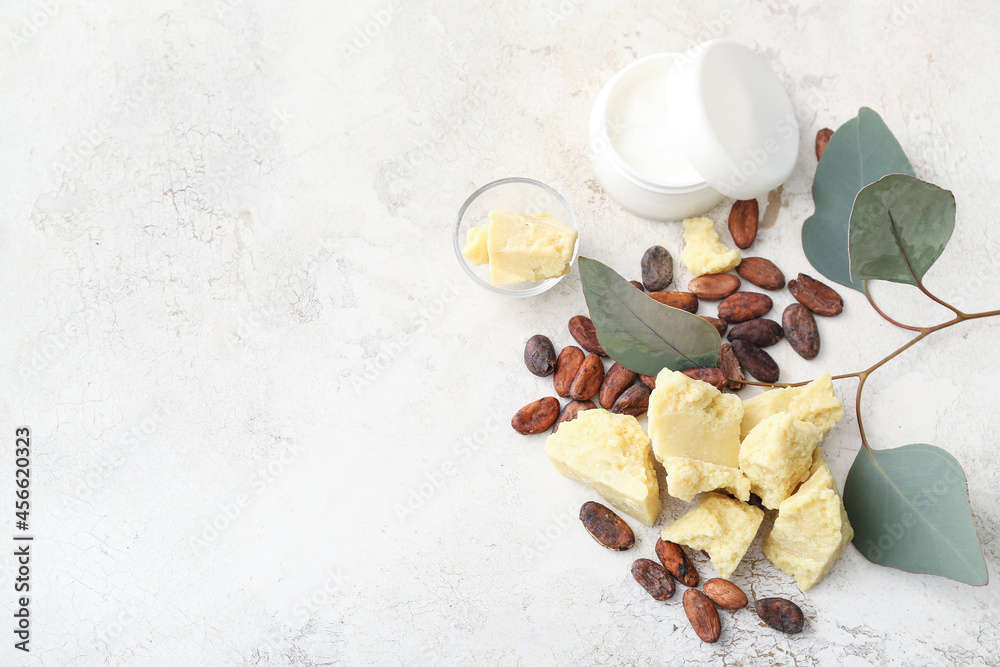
(657, 578)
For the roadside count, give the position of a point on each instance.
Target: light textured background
(269, 411)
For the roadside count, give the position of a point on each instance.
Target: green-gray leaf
(862, 151)
(640, 333)
(899, 227)
(910, 510)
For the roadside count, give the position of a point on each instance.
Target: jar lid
(735, 120)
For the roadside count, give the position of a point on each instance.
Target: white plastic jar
(672, 134)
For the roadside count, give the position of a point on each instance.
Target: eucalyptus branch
(868, 295)
(976, 316)
(857, 409)
(862, 375)
(935, 299)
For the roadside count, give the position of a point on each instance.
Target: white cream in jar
(640, 131)
(672, 134)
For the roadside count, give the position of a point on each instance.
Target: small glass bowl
(522, 195)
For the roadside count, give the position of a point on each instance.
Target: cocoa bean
(609, 529)
(567, 366)
(676, 561)
(649, 381)
(761, 272)
(634, 401)
(743, 219)
(540, 356)
(724, 593)
(818, 297)
(582, 329)
(730, 365)
(683, 300)
(657, 269)
(711, 375)
(588, 379)
(801, 330)
(756, 361)
(714, 286)
(616, 381)
(654, 578)
(536, 416)
(760, 332)
(822, 139)
(571, 410)
(720, 325)
(781, 614)
(744, 306)
(703, 615)
(636, 284)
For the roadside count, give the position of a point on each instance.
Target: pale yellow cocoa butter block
(720, 525)
(815, 403)
(776, 456)
(686, 478)
(522, 248)
(693, 419)
(610, 454)
(703, 251)
(475, 245)
(811, 530)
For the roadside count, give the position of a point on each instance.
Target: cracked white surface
(269, 410)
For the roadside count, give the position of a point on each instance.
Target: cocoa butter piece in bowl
(536, 416)
(657, 269)
(609, 529)
(582, 329)
(761, 332)
(567, 366)
(743, 306)
(818, 297)
(654, 578)
(571, 410)
(540, 356)
(756, 361)
(761, 272)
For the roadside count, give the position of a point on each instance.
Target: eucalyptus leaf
(899, 227)
(862, 151)
(910, 510)
(640, 333)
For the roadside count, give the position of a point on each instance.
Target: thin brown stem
(862, 376)
(886, 317)
(927, 293)
(976, 316)
(902, 348)
(857, 410)
(772, 385)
